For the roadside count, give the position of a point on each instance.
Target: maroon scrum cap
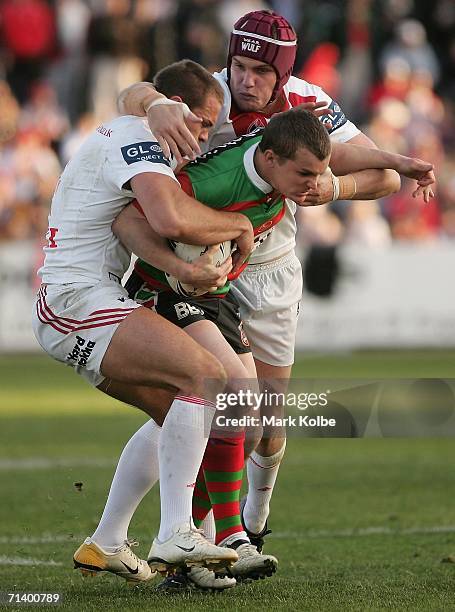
(267, 37)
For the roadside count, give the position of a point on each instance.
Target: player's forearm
(136, 98)
(368, 184)
(173, 214)
(346, 158)
(199, 224)
(139, 238)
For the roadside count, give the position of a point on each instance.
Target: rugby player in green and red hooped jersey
(226, 179)
(245, 176)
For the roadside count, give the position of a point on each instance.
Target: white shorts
(75, 323)
(269, 296)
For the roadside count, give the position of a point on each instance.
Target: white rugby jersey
(91, 192)
(230, 125)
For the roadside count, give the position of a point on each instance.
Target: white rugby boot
(196, 579)
(188, 547)
(92, 559)
(252, 565)
(207, 580)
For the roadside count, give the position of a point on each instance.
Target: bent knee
(206, 377)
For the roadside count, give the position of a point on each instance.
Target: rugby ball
(190, 252)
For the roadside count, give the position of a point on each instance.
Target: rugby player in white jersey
(84, 318)
(257, 83)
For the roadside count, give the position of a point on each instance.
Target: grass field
(359, 524)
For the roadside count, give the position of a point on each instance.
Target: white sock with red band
(262, 473)
(137, 471)
(182, 444)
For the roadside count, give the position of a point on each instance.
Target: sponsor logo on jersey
(81, 352)
(334, 119)
(251, 44)
(144, 151)
(257, 123)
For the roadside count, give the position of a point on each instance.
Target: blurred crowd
(389, 63)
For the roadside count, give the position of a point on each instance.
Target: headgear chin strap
(266, 37)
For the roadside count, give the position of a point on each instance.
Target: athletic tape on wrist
(336, 187)
(347, 192)
(166, 101)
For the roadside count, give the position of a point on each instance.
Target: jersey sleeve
(337, 124)
(133, 150)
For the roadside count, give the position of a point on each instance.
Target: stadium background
(375, 518)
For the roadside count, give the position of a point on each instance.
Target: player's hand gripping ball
(190, 252)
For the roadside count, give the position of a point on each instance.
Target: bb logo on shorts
(182, 310)
(81, 352)
(144, 151)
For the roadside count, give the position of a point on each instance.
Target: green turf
(357, 524)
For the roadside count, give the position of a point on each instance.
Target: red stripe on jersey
(243, 123)
(185, 183)
(138, 207)
(153, 282)
(296, 99)
(239, 206)
(271, 222)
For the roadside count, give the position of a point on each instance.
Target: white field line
(4, 560)
(46, 538)
(361, 532)
(49, 538)
(47, 463)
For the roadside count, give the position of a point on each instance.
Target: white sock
(137, 471)
(182, 444)
(262, 473)
(208, 527)
(240, 535)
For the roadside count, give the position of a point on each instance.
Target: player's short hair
(188, 80)
(287, 132)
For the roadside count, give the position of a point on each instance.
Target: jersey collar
(248, 162)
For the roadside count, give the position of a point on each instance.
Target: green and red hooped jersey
(220, 179)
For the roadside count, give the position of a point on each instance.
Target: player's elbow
(169, 226)
(391, 182)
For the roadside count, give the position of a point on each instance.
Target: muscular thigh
(148, 350)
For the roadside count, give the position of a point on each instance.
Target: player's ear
(270, 157)
(176, 98)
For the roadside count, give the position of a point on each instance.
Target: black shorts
(181, 311)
